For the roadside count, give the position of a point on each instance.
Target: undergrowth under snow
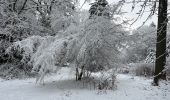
(62, 86)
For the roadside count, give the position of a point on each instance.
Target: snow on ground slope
(62, 86)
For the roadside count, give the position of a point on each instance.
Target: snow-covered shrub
(140, 44)
(135, 54)
(72, 49)
(15, 70)
(99, 44)
(144, 69)
(50, 56)
(100, 8)
(107, 81)
(23, 50)
(125, 69)
(93, 46)
(19, 54)
(103, 80)
(4, 44)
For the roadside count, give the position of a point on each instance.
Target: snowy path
(63, 87)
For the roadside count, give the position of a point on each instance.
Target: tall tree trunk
(161, 42)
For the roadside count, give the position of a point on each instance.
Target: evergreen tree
(99, 8)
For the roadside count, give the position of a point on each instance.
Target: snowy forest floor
(62, 86)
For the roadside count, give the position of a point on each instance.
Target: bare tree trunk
(161, 42)
(77, 74)
(81, 73)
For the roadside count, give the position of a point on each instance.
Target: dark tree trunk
(81, 74)
(77, 74)
(161, 42)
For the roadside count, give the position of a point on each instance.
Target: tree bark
(161, 42)
(81, 73)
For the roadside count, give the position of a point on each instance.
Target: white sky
(129, 14)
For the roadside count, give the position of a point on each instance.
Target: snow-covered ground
(62, 86)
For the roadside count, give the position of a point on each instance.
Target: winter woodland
(57, 50)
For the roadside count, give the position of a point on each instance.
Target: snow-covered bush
(94, 47)
(103, 80)
(99, 44)
(100, 8)
(50, 56)
(15, 70)
(125, 69)
(23, 50)
(4, 44)
(107, 81)
(140, 44)
(143, 69)
(18, 56)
